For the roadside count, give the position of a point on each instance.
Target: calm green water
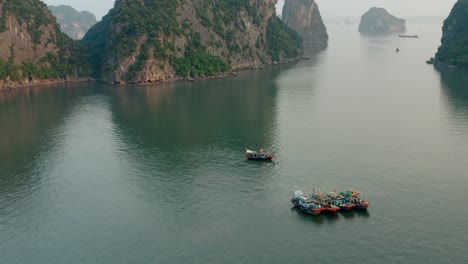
(98, 174)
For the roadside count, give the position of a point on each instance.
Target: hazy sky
(97, 7)
(400, 8)
(329, 8)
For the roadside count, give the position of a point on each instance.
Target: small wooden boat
(306, 204)
(254, 155)
(408, 36)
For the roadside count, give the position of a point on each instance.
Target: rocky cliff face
(32, 48)
(379, 21)
(21, 39)
(73, 23)
(148, 41)
(454, 49)
(304, 17)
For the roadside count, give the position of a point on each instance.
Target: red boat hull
(347, 207)
(362, 206)
(305, 210)
(269, 157)
(332, 210)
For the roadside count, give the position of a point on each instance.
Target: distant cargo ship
(408, 36)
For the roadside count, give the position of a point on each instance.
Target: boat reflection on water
(361, 213)
(348, 214)
(322, 218)
(317, 219)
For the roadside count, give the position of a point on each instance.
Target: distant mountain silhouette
(73, 23)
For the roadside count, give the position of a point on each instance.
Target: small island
(379, 21)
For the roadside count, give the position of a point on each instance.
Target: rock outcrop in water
(304, 17)
(148, 41)
(73, 23)
(454, 49)
(32, 47)
(144, 41)
(379, 21)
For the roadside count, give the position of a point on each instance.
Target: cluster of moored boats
(331, 202)
(319, 202)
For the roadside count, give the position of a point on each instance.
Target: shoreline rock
(233, 73)
(6, 86)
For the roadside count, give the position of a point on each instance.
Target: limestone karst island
(145, 41)
(379, 21)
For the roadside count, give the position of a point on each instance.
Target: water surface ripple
(98, 174)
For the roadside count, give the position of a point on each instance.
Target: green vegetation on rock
(186, 39)
(52, 66)
(197, 61)
(454, 49)
(282, 40)
(140, 40)
(31, 12)
(67, 58)
(133, 20)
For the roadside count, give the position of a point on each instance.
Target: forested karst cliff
(304, 17)
(32, 47)
(73, 23)
(379, 21)
(454, 48)
(143, 40)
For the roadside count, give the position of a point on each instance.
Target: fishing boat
(408, 36)
(326, 202)
(346, 206)
(329, 207)
(341, 201)
(353, 197)
(254, 155)
(361, 205)
(331, 202)
(306, 204)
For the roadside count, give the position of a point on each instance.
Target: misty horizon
(329, 9)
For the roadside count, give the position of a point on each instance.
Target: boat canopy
(298, 194)
(250, 151)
